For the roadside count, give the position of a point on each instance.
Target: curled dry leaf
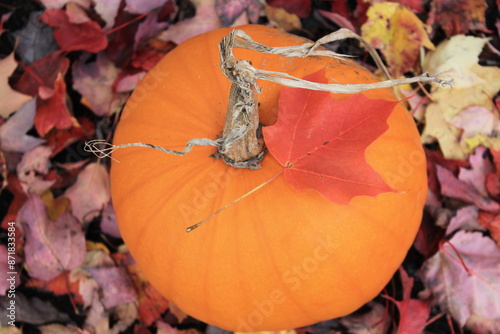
(470, 288)
(90, 193)
(51, 246)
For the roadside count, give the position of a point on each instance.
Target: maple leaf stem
(260, 186)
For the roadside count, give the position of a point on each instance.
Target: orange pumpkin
(279, 258)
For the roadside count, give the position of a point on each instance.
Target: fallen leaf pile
(66, 71)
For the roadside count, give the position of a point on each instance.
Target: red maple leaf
(53, 111)
(87, 36)
(321, 141)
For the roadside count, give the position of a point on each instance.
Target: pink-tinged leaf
(107, 10)
(454, 188)
(90, 193)
(76, 14)
(58, 4)
(116, 285)
(229, 10)
(97, 320)
(465, 219)
(141, 7)
(87, 286)
(357, 16)
(128, 83)
(86, 36)
(148, 29)
(338, 19)
(301, 8)
(95, 81)
(108, 222)
(469, 288)
(476, 120)
(51, 246)
(206, 19)
(413, 313)
(8, 260)
(10, 100)
(481, 166)
(42, 72)
(13, 135)
(321, 141)
(33, 168)
(53, 112)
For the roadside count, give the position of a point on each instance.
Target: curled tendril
(104, 152)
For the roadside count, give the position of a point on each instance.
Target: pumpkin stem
(242, 144)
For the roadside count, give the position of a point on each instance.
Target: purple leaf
(51, 246)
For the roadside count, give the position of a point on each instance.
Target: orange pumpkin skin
(279, 258)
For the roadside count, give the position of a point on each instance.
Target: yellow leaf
(398, 33)
(282, 19)
(482, 140)
(468, 105)
(446, 134)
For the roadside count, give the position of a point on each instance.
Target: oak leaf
(320, 141)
